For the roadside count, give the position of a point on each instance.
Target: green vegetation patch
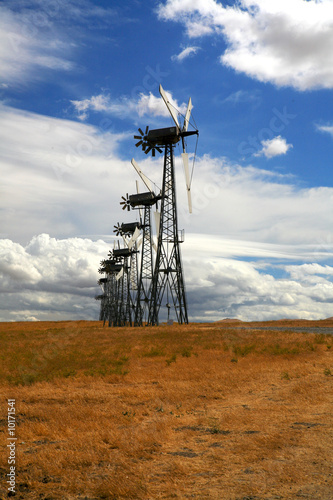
(154, 352)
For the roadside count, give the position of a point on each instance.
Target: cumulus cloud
(288, 43)
(124, 107)
(274, 147)
(187, 52)
(53, 279)
(227, 288)
(50, 278)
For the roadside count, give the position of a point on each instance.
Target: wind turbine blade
(187, 115)
(145, 179)
(139, 244)
(186, 169)
(187, 180)
(153, 244)
(135, 236)
(120, 274)
(171, 109)
(140, 210)
(189, 200)
(157, 216)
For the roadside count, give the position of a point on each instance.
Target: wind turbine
(168, 271)
(130, 233)
(146, 201)
(109, 299)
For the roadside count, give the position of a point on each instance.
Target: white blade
(157, 216)
(137, 190)
(169, 106)
(187, 180)
(135, 236)
(153, 244)
(187, 115)
(120, 274)
(145, 179)
(189, 200)
(139, 243)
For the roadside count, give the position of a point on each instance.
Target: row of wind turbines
(141, 274)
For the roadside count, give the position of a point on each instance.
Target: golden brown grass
(205, 411)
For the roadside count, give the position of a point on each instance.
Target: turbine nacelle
(134, 201)
(126, 229)
(122, 252)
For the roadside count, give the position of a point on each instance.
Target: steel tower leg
(103, 310)
(133, 281)
(120, 301)
(168, 272)
(124, 302)
(146, 271)
(112, 299)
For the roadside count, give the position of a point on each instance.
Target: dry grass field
(226, 410)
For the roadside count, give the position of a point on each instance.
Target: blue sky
(76, 81)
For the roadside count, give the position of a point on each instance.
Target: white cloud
(243, 96)
(57, 174)
(326, 128)
(220, 288)
(255, 205)
(286, 42)
(36, 37)
(125, 107)
(187, 52)
(53, 279)
(28, 49)
(96, 103)
(66, 176)
(50, 278)
(274, 147)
